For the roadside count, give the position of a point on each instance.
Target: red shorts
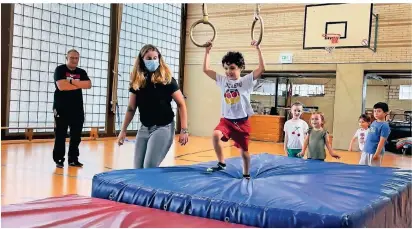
(237, 131)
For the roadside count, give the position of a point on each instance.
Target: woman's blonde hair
(161, 75)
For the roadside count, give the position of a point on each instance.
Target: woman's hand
(121, 137)
(183, 137)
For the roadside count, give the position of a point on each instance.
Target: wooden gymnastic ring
(203, 22)
(257, 18)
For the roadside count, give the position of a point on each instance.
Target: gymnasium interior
(335, 59)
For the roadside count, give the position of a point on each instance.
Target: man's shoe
(59, 164)
(75, 164)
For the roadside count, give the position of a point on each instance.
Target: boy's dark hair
(382, 106)
(234, 58)
(365, 117)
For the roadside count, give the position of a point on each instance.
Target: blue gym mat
(283, 192)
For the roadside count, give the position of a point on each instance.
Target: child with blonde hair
(295, 131)
(317, 139)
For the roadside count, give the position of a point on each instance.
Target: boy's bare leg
(246, 163)
(217, 145)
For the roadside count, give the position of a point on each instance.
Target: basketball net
(334, 38)
(329, 49)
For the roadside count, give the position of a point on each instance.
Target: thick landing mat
(283, 192)
(78, 211)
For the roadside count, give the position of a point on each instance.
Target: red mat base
(79, 211)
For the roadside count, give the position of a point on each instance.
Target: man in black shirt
(68, 108)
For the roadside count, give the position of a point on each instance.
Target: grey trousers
(152, 145)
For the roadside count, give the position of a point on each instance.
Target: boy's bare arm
(206, 63)
(381, 144)
(258, 72)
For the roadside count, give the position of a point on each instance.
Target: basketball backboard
(353, 22)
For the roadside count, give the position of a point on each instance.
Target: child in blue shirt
(378, 133)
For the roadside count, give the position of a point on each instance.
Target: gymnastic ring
(203, 22)
(257, 18)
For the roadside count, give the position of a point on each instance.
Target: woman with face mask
(152, 89)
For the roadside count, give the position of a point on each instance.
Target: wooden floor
(28, 171)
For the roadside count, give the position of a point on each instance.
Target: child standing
(316, 139)
(378, 133)
(361, 134)
(295, 131)
(236, 107)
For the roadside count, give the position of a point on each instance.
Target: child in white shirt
(295, 130)
(361, 134)
(236, 108)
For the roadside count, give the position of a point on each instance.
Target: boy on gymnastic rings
(152, 89)
(236, 107)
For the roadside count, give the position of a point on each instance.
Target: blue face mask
(151, 65)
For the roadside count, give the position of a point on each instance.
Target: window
(267, 87)
(138, 28)
(43, 33)
(308, 90)
(263, 87)
(405, 92)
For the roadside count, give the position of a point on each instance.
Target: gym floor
(28, 171)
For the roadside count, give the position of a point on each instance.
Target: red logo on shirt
(296, 131)
(232, 96)
(73, 76)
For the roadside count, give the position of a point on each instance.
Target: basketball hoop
(333, 37)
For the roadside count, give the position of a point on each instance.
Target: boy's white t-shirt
(236, 96)
(295, 130)
(361, 134)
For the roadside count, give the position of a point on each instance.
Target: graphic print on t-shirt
(296, 131)
(73, 76)
(362, 138)
(232, 95)
(235, 96)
